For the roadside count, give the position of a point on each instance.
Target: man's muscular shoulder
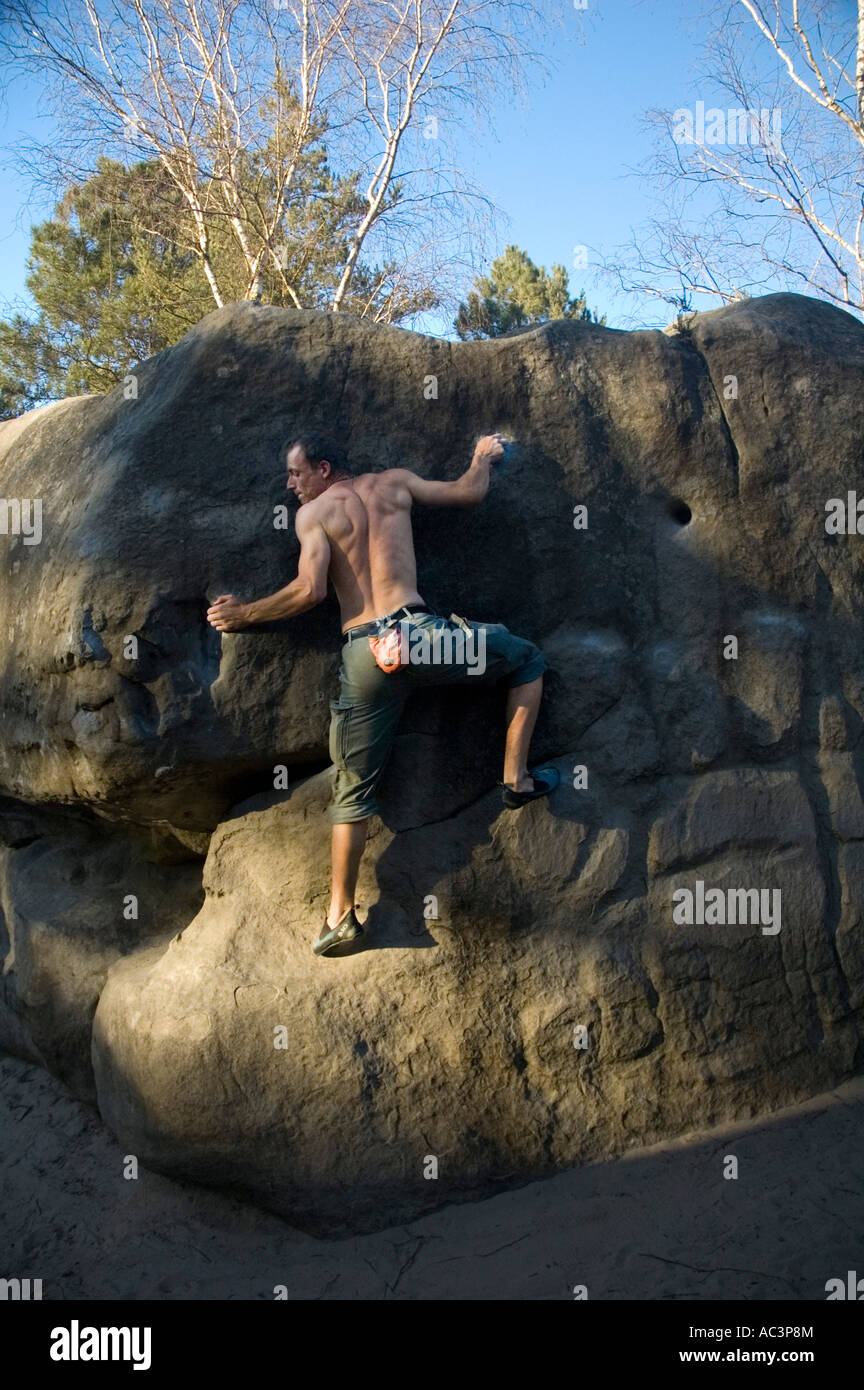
(396, 482)
(384, 478)
(390, 485)
(329, 510)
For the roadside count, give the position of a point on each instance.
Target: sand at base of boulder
(663, 1223)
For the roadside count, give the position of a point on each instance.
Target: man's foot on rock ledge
(541, 782)
(337, 941)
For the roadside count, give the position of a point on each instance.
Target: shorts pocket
(339, 713)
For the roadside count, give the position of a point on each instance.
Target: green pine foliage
(108, 291)
(517, 294)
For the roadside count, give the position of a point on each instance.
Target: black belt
(366, 629)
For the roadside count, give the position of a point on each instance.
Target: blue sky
(557, 165)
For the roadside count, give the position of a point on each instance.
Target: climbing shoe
(336, 941)
(545, 780)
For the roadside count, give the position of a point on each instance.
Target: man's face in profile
(306, 480)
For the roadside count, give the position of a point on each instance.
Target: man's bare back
(367, 522)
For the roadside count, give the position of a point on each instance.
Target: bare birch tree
(768, 192)
(237, 99)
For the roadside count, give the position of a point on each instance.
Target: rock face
(75, 896)
(330, 1089)
(531, 993)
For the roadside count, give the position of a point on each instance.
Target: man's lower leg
(346, 850)
(523, 704)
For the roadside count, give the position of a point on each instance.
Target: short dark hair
(318, 447)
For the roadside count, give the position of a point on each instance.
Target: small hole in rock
(679, 511)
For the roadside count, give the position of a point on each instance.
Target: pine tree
(108, 292)
(516, 294)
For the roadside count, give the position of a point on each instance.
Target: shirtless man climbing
(356, 533)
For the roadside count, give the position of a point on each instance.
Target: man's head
(314, 463)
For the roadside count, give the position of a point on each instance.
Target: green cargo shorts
(364, 719)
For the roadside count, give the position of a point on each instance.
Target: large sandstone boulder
(704, 702)
(444, 1058)
(162, 494)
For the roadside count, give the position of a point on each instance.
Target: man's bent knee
(350, 815)
(533, 667)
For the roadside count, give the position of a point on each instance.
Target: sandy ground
(661, 1224)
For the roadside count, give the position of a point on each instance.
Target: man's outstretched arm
(466, 491)
(227, 613)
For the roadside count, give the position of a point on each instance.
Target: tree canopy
(516, 293)
(115, 279)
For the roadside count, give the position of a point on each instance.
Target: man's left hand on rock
(227, 613)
